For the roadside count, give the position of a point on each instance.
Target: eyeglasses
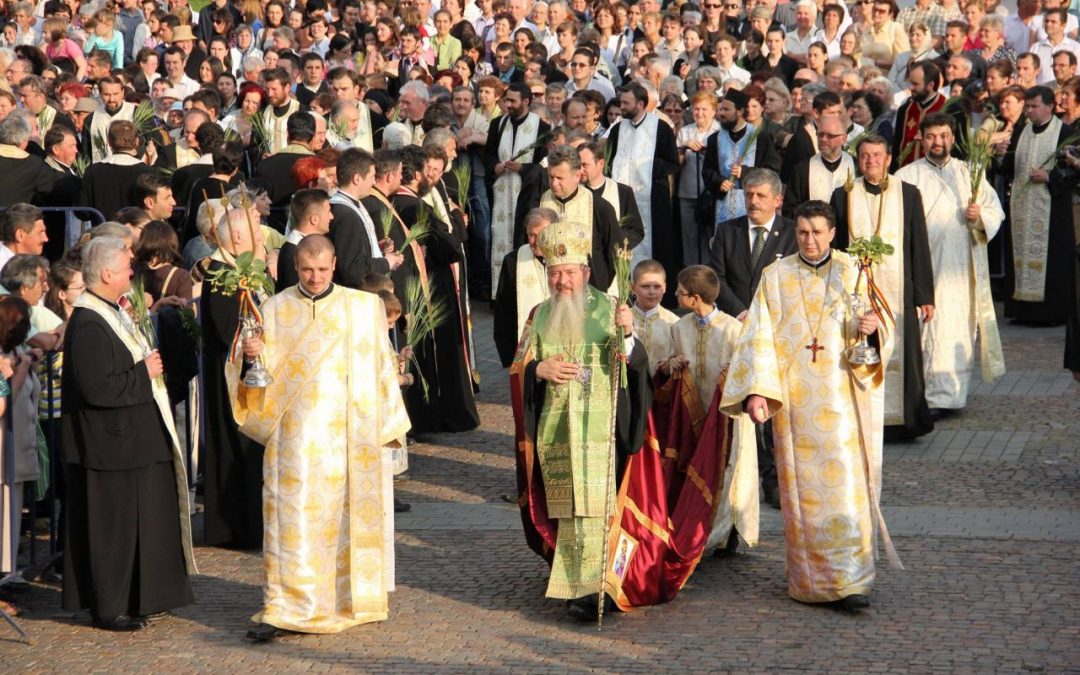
(712, 6)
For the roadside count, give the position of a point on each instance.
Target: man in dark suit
(23, 177)
(355, 234)
(310, 209)
(127, 549)
(742, 248)
(277, 168)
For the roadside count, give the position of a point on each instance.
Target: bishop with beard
(574, 420)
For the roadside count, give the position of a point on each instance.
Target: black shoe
(120, 624)
(401, 507)
(853, 603)
(264, 632)
(584, 609)
(938, 414)
(729, 549)
(772, 494)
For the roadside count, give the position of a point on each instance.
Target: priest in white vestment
(958, 227)
(823, 173)
(333, 406)
(790, 365)
(883, 205)
(514, 140)
(522, 286)
(113, 108)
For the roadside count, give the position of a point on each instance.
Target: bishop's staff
(623, 258)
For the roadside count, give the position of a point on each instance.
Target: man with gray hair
(23, 177)
(412, 104)
(127, 534)
(27, 276)
(34, 95)
(522, 285)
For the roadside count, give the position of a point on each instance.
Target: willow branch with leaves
(422, 316)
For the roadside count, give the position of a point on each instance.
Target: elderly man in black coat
(128, 535)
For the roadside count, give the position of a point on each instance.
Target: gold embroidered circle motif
(560, 250)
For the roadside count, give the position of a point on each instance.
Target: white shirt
(768, 229)
(186, 86)
(6, 254)
(598, 84)
(1018, 34)
(1046, 51)
(794, 44)
(1071, 26)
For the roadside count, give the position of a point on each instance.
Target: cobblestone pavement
(985, 513)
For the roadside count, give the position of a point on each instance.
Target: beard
(566, 325)
(423, 186)
(729, 126)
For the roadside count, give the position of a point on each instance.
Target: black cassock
(231, 462)
(123, 549)
(443, 356)
(666, 234)
(1061, 242)
(918, 290)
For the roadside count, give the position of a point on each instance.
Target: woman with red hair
(250, 100)
(309, 172)
(67, 95)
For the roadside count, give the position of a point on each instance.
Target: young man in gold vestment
(791, 365)
(326, 418)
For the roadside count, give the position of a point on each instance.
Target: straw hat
(182, 33)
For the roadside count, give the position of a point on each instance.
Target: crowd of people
(509, 151)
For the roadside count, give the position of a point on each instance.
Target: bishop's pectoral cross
(814, 348)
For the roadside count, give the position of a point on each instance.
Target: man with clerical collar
(736, 147)
(579, 205)
(924, 79)
(619, 196)
(366, 132)
(645, 157)
(567, 402)
(767, 378)
(514, 141)
(113, 108)
(359, 241)
(522, 285)
(1041, 222)
(883, 205)
(310, 211)
(819, 176)
(334, 370)
(958, 227)
(302, 132)
(127, 531)
(281, 107)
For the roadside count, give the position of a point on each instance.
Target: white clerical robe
(99, 129)
(883, 215)
(652, 327)
(277, 127)
(961, 280)
(506, 189)
(708, 344)
(333, 406)
(532, 286)
(341, 139)
(633, 166)
(1030, 211)
(826, 426)
(822, 182)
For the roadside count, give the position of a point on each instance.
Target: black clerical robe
(797, 185)
(352, 245)
(110, 187)
(713, 175)
(800, 148)
(1061, 242)
(231, 462)
(666, 234)
(286, 266)
(606, 237)
(631, 229)
(200, 190)
(918, 291)
(450, 404)
(24, 178)
(123, 545)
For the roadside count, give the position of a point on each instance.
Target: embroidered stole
(506, 189)
(1030, 208)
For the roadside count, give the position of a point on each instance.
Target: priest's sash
(1030, 207)
(277, 127)
(823, 182)
(532, 285)
(124, 328)
(864, 211)
(507, 187)
(99, 129)
(633, 166)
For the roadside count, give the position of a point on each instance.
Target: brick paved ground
(986, 515)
